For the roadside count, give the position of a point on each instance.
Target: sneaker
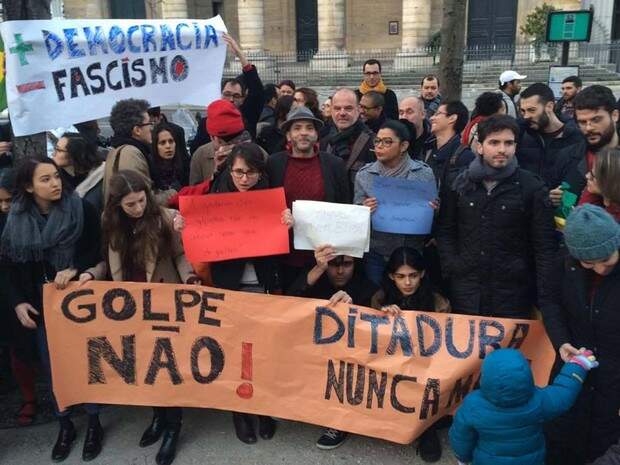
(331, 439)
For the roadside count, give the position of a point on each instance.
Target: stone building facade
(311, 26)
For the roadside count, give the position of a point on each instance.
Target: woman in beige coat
(142, 246)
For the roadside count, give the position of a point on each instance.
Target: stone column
(416, 29)
(251, 25)
(332, 36)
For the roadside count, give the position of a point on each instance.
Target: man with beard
(597, 117)
(371, 110)
(565, 107)
(429, 92)
(306, 174)
(547, 146)
(349, 139)
(509, 87)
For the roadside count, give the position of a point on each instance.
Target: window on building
(127, 9)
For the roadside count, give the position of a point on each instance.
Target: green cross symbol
(21, 49)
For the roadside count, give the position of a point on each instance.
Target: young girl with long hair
(140, 245)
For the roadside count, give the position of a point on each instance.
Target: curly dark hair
(137, 241)
(83, 153)
(312, 101)
(126, 114)
(488, 104)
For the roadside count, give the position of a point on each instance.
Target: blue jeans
(44, 354)
(374, 265)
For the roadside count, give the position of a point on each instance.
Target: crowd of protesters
(525, 226)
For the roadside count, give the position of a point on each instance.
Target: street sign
(569, 26)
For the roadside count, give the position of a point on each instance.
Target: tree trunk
(34, 145)
(452, 48)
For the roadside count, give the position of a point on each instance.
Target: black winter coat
(555, 161)
(592, 320)
(390, 107)
(496, 248)
(227, 274)
(335, 181)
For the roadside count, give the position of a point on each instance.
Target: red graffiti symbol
(179, 67)
(246, 390)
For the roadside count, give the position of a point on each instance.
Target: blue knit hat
(591, 233)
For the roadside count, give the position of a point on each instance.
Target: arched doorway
(307, 28)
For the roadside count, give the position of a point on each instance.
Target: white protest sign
(61, 72)
(345, 227)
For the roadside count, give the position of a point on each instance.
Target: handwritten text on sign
(61, 72)
(403, 205)
(236, 225)
(350, 368)
(344, 227)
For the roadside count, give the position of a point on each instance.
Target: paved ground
(208, 438)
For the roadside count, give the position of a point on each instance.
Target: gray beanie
(591, 233)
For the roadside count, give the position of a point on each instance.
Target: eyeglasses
(229, 95)
(238, 174)
(437, 113)
(365, 108)
(386, 142)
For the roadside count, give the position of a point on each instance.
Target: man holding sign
(306, 174)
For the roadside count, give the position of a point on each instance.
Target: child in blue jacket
(502, 422)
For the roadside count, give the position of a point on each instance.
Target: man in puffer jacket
(502, 422)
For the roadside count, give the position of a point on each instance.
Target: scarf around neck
(478, 171)
(398, 171)
(380, 87)
(30, 236)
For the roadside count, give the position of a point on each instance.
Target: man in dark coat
(245, 91)
(565, 107)
(548, 147)
(371, 110)
(373, 81)
(349, 139)
(587, 316)
(305, 173)
(495, 231)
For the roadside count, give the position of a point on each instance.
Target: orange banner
(350, 368)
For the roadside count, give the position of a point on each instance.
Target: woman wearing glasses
(246, 172)
(391, 146)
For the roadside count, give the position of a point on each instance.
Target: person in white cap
(510, 86)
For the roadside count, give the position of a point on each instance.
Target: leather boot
(92, 442)
(244, 427)
(152, 434)
(168, 449)
(266, 427)
(62, 448)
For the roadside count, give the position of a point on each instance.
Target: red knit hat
(223, 119)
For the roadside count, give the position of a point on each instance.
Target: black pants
(173, 415)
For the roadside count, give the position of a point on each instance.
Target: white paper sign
(345, 227)
(61, 72)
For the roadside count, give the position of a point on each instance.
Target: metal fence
(334, 67)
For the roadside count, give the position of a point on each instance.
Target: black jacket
(360, 288)
(272, 139)
(27, 279)
(416, 147)
(390, 106)
(250, 110)
(444, 166)
(227, 274)
(557, 159)
(588, 318)
(335, 180)
(497, 248)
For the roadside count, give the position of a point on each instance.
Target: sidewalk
(208, 437)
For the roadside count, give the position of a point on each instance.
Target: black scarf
(479, 171)
(31, 237)
(341, 141)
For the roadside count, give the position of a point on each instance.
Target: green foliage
(535, 25)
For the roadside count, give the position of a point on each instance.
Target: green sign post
(569, 26)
